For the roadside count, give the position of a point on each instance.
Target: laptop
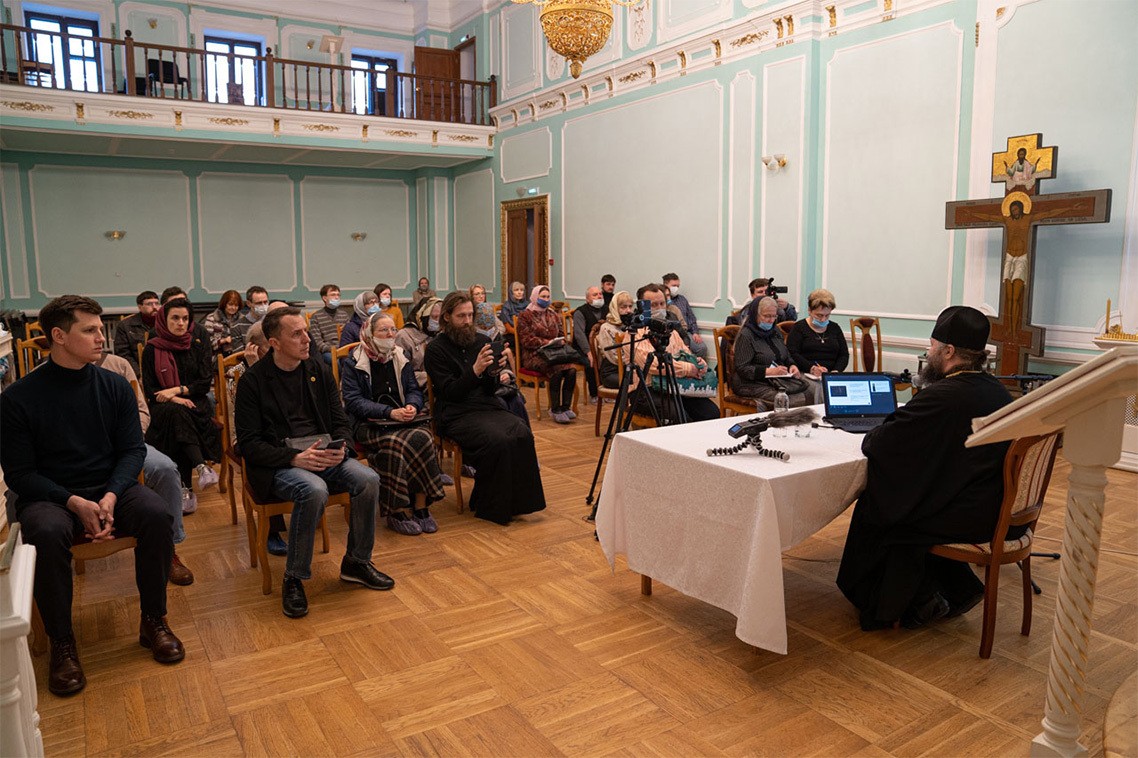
(857, 403)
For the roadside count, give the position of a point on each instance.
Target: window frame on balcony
(62, 56)
(376, 103)
(214, 94)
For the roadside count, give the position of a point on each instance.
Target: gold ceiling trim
(132, 115)
(24, 105)
(321, 128)
(227, 121)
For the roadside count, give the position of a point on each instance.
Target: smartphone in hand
(335, 445)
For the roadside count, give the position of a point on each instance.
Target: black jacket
(261, 423)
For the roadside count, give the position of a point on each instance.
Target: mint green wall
(474, 229)
(204, 226)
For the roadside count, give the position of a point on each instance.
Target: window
(76, 65)
(369, 84)
(232, 75)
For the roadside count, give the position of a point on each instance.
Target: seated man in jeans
(289, 395)
(72, 452)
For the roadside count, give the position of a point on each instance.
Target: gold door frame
(538, 201)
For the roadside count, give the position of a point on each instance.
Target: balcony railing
(36, 58)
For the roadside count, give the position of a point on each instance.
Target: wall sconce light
(310, 44)
(115, 235)
(359, 236)
(774, 162)
(152, 22)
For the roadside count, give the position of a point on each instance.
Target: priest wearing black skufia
(469, 410)
(925, 488)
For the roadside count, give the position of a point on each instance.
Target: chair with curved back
(724, 367)
(603, 393)
(339, 353)
(229, 457)
(1027, 472)
(30, 353)
(527, 378)
(447, 446)
(33, 329)
(865, 336)
(784, 327)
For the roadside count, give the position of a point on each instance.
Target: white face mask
(675, 289)
(385, 345)
(261, 310)
(432, 325)
(598, 303)
(385, 301)
(334, 303)
(660, 314)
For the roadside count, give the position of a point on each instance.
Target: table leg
(645, 584)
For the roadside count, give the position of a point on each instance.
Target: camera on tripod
(659, 330)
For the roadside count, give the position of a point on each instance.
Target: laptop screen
(859, 395)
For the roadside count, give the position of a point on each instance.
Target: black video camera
(773, 290)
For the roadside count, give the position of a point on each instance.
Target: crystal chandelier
(577, 29)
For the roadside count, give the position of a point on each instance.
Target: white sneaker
(189, 501)
(207, 477)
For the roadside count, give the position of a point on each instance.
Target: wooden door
(437, 93)
(517, 252)
(540, 244)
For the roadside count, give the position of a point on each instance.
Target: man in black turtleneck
(72, 452)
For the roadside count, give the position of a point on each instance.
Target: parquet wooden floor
(520, 641)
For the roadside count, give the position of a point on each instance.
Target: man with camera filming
(659, 337)
(765, 287)
(292, 433)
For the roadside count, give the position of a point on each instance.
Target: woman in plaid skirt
(383, 401)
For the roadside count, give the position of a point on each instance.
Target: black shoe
(275, 545)
(65, 674)
(365, 574)
(959, 609)
(936, 607)
(293, 600)
(870, 624)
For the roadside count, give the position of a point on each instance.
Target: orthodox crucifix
(1019, 212)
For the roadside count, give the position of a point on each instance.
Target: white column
(19, 720)
(1092, 442)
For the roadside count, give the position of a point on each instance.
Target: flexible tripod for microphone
(621, 418)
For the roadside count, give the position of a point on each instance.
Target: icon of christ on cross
(1019, 213)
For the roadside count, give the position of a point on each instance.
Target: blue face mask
(373, 309)
(820, 324)
(542, 302)
(765, 326)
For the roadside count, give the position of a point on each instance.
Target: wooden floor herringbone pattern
(520, 641)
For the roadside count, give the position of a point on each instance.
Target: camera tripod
(621, 418)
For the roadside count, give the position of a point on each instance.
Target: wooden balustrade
(147, 69)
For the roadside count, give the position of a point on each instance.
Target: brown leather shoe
(66, 675)
(179, 574)
(154, 634)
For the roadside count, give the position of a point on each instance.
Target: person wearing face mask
(816, 344)
(618, 316)
(486, 322)
(365, 304)
(538, 327)
(762, 362)
(420, 329)
(257, 302)
(389, 305)
(322, 325)
(686, 315)
(585, 317)
(219, 324)
(381, 398)
(423, 292)
(515, 304)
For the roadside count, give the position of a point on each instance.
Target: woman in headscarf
(223, 338)
(515, 303)
(485, 321)
(421, 327)
(763, 365)
(619, 314)
(539, 327)
(366, 303)
(382, 400)
(176, 376)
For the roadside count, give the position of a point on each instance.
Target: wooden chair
(1027, 472)
(603, 393)
(528, 378)
(139, 348)
(229, 457)
(724, 367)
(258, 513)
(447, 446)
(785, 327)
(865, 336)
(30, 353)
(33, 329)
(337, 354)
(639, 420)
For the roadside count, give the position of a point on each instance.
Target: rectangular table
(714, 528)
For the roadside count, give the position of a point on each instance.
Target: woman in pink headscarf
(176, 377)
(538, 326)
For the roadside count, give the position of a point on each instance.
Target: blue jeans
(308, 490)
(161, 475)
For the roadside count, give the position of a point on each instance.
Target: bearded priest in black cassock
(925, 488)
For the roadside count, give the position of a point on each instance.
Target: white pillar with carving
(19, 719)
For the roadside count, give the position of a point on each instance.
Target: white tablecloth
(714, 528)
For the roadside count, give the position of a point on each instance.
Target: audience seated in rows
(177, 372)
(322, 326)
(763, 365)
(758, 290)
(420, 328)
(585, 317)
(468, 410)
(256, 306)
(515, 303)
(486, 322)
(220, 324)
(538, 326)
(389, 305)
(132, 331)
(816, 344)
(384, 402)
(175, 293)
(365, 304)
(280, 400)
(75, 474)
(423, 292)
(685, 314)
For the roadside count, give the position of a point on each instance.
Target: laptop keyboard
(857, 424)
